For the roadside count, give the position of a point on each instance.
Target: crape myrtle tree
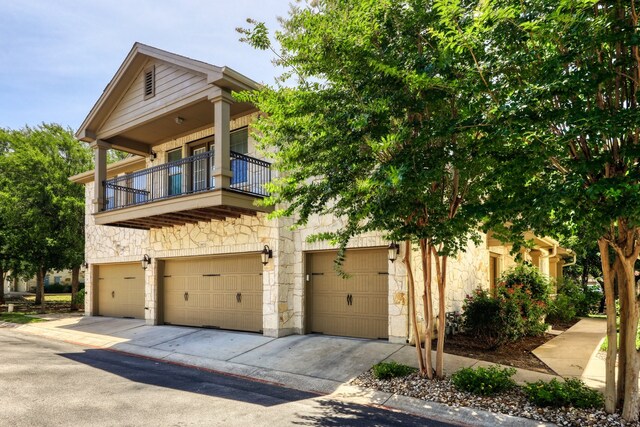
(381, 121)
(570, 72)
(41, 209)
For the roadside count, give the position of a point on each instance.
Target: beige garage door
(121, 290)
(357, 306)
(218, 292)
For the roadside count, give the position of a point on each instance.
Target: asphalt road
(50, 383)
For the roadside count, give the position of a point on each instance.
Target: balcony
(183, 192)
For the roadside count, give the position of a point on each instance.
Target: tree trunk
(40, 288)
(425, 250)
(414, 314)
(585, 271)
(2, 279)
(621, 280)
(610, 398)
(75, 280)
(442, 281)
(631, 407)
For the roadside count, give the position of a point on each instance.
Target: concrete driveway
(314, 362)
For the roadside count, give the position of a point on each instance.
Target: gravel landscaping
(513, 402)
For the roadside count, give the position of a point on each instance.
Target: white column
(100, 173)
(221, 117)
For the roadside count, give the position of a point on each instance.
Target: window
(138, 192)
(149, 82)
(239, 143)
(199, 177)
(175, 173)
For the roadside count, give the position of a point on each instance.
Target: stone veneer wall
(282, 306)
(283, 278)
(105, 245)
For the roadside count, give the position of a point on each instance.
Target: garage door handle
(113, 294)
(349, 299)
(239, 297)
(186, 296)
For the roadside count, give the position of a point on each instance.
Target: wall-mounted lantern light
(266, 254)
(393, 251)
(146, 260)
(84, 265)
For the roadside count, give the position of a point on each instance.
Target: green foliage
(59, 288)
(561, 309)
(528, 279)
(507, 317)
(490, 320)
(381, 122)
(586, 298)
(392, 369)
(18, 318)
(41, 211)
(79, 298)
(574, 299)
(571, 392)
(484, 381)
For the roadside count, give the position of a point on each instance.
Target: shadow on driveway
(189, 379)
(322, 411)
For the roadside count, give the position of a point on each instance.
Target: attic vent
(149, 82)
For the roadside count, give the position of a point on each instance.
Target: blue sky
(56, 56)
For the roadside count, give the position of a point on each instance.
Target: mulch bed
(517, 354)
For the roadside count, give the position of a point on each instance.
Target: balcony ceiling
(196, 116)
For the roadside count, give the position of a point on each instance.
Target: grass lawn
(605, 343)
(61, 298)
(18, 318)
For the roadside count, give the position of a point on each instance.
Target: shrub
(79, 299)
(386, 370)
(571, 392)
(57, 289)
(528, 289)
(561, 309)
(496, 320)
(482, 318)
(484, 381)
(584, 298)
(529, 279)
(531, 311)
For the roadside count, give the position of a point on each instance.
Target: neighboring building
(186, 204)
(53, 277)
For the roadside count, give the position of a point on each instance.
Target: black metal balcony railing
(186, 176)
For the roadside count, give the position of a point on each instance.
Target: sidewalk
(315, 363)
(573, 354)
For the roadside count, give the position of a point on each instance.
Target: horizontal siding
(172, 83)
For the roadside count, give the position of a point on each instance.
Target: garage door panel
(213, 285)
(121, 290)
(365, 313)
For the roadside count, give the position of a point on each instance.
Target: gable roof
(223, 77)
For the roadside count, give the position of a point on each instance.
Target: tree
(569, 72)
(382, 126)
(42, 210)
